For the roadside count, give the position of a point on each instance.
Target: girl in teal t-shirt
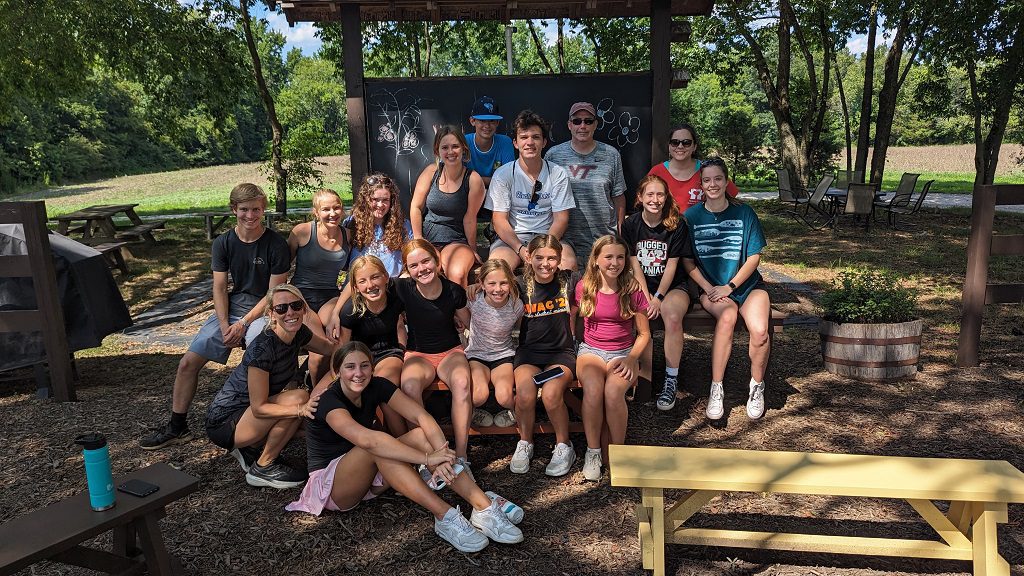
(727, 243)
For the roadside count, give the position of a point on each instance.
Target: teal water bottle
(97, 470)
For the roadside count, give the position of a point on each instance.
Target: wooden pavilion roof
(500, 10)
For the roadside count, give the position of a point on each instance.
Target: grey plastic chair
(860, 200)
(902, 197)
(913, 208)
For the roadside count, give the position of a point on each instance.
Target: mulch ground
(571, 526)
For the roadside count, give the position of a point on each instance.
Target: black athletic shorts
(492, 364)
(222, 433)
(543, 361)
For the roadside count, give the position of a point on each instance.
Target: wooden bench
(56, 532)
(978, 492)
(143, 231)
(112, 251)
(212, 221)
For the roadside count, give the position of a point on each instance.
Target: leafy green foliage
(868, 297)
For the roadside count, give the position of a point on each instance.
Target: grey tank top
(445, 211)
(317, 268)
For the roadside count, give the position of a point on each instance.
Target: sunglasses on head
(295, 305)
(378, 179)
(535, 197)
(678, 143)
(578, 121)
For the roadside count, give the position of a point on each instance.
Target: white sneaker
(755, 402)
(514, 512)
(493, 522)
(592, 464)
(505, 419)
(457, 531)
(562, 459)
(715, 408)
(482, 418)
(520, 463)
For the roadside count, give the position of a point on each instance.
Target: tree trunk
(863, 130)
(561, 46)
(277, 133)
(540, 47)
(887, 99)
(846, 113)
(430, 48)
(418, 72)
(986, 147)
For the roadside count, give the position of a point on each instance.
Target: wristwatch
(731, 285)
(659, 296)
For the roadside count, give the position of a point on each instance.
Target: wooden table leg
(987, 561)
(158, 561)
(654, 498)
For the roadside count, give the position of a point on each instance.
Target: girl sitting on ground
(349, 461)
(611, 303)
(432, 303)
(495, 311)
(376, 227)
(545, 343)
(320, 250)
(372, 316)
(255, 406)
(727, 244)
(657, 238)
(445, 203)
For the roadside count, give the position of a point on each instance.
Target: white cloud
(301, 36)
(857, 44)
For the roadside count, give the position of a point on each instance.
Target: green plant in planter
(863, 296)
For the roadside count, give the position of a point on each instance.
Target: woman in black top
(255, 406)
(350, 462)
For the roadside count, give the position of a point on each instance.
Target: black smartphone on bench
(541, 377)
(139, 488)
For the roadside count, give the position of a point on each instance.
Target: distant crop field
(944, 159)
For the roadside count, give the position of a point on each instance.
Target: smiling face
(530, 142)
(328, 210)
(683, 151)
(371, 283)
(290, 320)
(250, 214)
(653, 197)
(545, 263)
(611, 260)
(451, 151)
(422, 266)
(582, 133)
(380, 204)
(484, 128)
(355, 372)
(496, 287)
(712, 181)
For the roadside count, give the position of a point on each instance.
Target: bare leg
(504, 384)
(317, 364)
(454, 371)
(756, 312)
(278, 432)
(391, 370)
(186, 380)
(553, 396)
(616, 412)
(481, 376)
(456, 261)
(568, 261)
(417, 374)
(676, 303)
(506, 254)
(526, 401)
(726, 312)
(592, 372)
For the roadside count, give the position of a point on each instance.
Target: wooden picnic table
(212, 221)
(978, 492)
(97, 224)
(56, 532)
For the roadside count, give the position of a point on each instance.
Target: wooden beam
(1008, 194)
(1004, 293)
(486, 10)
(661, 78)
(946, 529)
(355, 101)
(1007, 245)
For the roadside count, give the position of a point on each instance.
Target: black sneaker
(246, 456)
(166, 436)
(275, 475)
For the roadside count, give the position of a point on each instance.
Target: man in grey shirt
(596, 179)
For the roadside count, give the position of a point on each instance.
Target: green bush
(868, 297)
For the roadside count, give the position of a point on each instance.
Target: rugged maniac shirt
(653, 247)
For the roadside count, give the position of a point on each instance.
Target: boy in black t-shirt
(255, 259)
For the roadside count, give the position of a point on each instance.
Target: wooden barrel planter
(871, 352)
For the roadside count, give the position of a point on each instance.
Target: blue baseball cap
(485, 109)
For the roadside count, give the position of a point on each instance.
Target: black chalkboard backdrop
(402, 115)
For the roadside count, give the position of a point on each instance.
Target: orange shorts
(434, 359)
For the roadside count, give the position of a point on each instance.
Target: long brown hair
(362, 213)
(625, 285)
(669, 210)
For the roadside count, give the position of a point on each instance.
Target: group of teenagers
(383, 306)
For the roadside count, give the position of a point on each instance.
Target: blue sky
(303, 36)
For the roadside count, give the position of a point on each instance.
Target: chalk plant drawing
(398, 116)
(623, 128)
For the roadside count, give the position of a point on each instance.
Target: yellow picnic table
(978, 492)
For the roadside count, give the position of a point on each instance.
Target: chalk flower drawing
(399, 116)
(604, 112)
(625, 131)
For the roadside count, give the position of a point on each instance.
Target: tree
(986, 38)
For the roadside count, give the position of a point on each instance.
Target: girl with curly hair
(377, 223)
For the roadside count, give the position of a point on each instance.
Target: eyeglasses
(578, 121)
(378, 179)
(678, 143)
(535, 197)
(295, 305)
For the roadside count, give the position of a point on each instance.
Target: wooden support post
(987, 561)
(983, 207)
(654, 498)
(661, 78)
(355, 102)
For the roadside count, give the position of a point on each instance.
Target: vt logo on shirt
(653, 255)
(581, 171)
(719, 240)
